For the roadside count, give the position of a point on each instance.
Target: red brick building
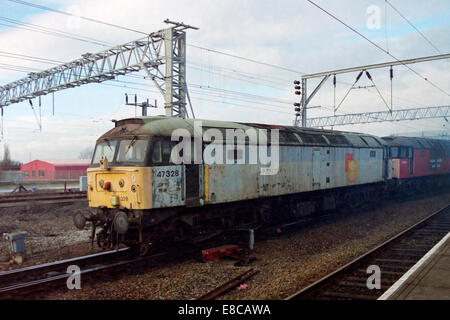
(54, 169)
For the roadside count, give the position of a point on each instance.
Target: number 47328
(168, 173)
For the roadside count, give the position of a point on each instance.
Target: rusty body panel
(301, 169)
(168, 186)
(309, 160)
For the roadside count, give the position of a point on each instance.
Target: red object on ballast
(219, 252)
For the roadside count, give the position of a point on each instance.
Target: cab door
(193, 184)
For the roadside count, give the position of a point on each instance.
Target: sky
(294, 35)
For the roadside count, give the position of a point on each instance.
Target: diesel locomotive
(143, 188)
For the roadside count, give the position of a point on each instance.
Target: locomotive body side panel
(301, 169)
(168, 186)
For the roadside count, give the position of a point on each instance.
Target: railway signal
(298, 91)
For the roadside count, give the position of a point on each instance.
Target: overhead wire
(49, 31)
(380, 48)
(75, 15)
(413, 26)
(223, 92)
(146, 33)
(207, 49)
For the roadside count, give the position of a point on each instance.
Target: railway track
(30, 281)
(227, 286)
(394, 258)
(52, 197)
(19, 283)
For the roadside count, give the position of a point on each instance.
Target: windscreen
(132, 150)
(104, 149)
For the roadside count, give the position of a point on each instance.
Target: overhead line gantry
(407, 114)
(161, 54)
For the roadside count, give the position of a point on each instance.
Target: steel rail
(229, 285)
(321, 283)
(44, 282)
(50, 266)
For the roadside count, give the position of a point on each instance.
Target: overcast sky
(291, 34)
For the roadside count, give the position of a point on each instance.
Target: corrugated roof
(164, 127)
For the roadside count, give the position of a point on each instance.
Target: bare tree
(7, 163)
(6, 154)
(86, 153)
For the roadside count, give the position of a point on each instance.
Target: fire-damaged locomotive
(144, 188)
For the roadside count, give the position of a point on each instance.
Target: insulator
(359, 76)
(368, 75)
(391, 73)
(298, 88)
(297, 109)
(296, 104)
(334, 80)
(297, 114)
(298, 93)
(296, 82)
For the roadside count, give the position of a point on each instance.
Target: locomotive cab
(130, 174)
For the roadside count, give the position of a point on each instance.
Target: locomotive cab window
(166, 151)
(132, 150)
(156, 152)
(394, 152)
(105, 149)
(161, 152)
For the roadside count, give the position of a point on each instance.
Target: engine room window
(313, 139)
(337, 139)
(356, 141)
(41, 173)
(132, 150)
(104, 149)
(288, 137)
(371, 141)
(373, 154)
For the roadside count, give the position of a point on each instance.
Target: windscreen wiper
(109, 145)
(131, 144)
